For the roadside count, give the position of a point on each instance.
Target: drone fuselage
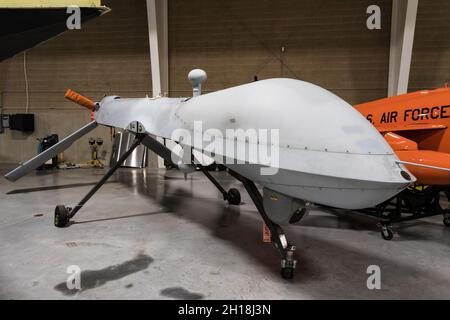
(327, 153)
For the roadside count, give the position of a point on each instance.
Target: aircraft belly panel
(324, 190)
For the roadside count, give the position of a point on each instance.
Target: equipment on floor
(43, 145)
(68, 166)
(95, 145)
(416, 202)
(122, 142)
(416, 126)
(315, 148)
(2, 125)
(5, 121)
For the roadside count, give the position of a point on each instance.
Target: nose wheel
(288, 264)
(287, 251)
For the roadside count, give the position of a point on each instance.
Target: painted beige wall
(326, 43)
(430, 66)
(110, 55)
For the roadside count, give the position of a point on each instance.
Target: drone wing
(43, 157)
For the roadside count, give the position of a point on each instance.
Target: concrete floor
(149, 234)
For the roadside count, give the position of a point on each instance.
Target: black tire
(387, 234)
(447, 222)
(287, 273)
(234, 197)
(62, 216)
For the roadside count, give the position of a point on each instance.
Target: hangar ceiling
(23, 28)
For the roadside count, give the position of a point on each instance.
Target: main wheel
(386, 233)
(234, 197)
(62, 216)
(287, 273)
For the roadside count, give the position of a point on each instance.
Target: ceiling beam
(49, 3)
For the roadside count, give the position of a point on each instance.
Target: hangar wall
(109, 55)
(430, 65)
(325, 42)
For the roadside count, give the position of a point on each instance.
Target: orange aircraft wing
(410, 127)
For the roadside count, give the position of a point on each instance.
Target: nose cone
(332, 154)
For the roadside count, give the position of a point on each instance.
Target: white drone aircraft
(329, 154)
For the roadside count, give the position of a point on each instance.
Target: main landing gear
(233, 195)
(63, 214)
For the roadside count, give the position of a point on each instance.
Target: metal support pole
(158, 35)
(214, 181)
(404, 13)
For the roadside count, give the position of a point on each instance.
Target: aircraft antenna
(197, 77)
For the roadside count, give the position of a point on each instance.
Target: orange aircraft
(417, 127)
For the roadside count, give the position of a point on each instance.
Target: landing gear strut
(287, 251)
(63, 214)
(233, 195)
